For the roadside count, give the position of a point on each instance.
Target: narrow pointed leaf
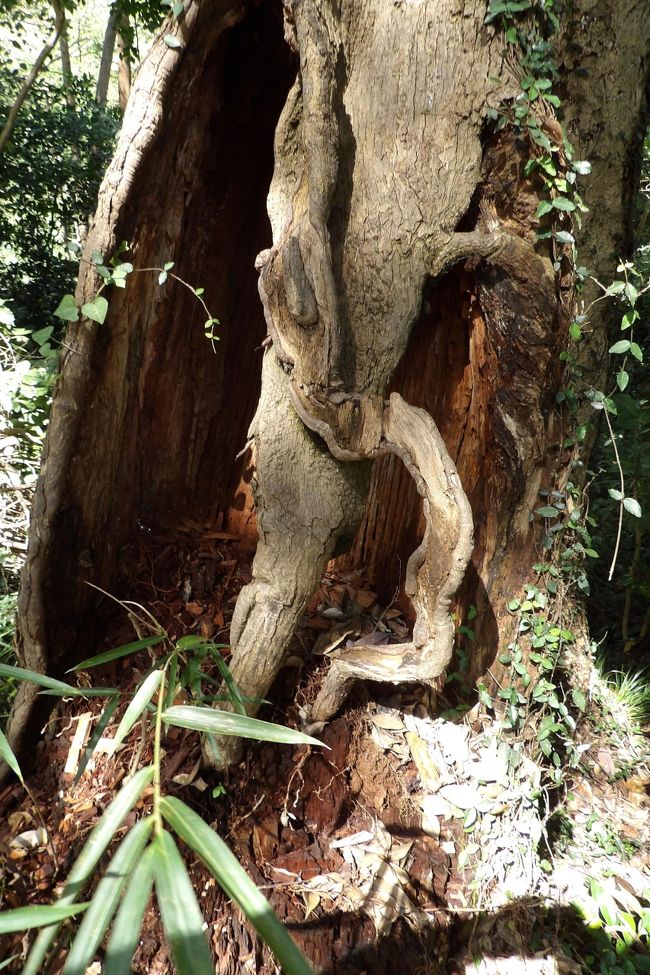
(236, 883)
(125, 933)
(106, 898)
(233, 690)
(226, 723)
(181, 915)
(19, 673)
(117, 652)
(81, 692)
(85, 863)
(141, 698)
(23, 918)
(172, 681)
(7, 753)
(98, 731)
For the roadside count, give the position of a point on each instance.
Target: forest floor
(416, 842)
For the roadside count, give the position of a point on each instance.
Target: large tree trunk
(415, 322)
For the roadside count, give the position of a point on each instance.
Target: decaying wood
(385, 175)
(305, 500)
(359, 225)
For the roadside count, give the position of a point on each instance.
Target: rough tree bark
(373, 201)
(415, 321)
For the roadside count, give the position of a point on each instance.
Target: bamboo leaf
(7, 753)
(224, 670)
(236, 883)
(181, 915)
(141, 698)
(126, 927)
(106, 898)
(19, 673)
(98, 731)
(23, 918)
(117, 652)
(226, 723)
(85, 863)
(65, 691)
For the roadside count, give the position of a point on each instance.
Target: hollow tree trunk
(416, 322)
(374, 203)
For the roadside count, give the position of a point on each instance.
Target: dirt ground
(354, 846)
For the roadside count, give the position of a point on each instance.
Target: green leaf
(81, 691)
(23, 918)
(107, 898)
(43, 335)
(575, 331)
(125, 933)
(6, 752)
(117, 652)
(631, 293)
(633, 506)
(579, 699)
(96, 257)
(564, 204)
(140, 699)
(87, 860)
(629, 318)
(616, 288)
(564, 237)
(168, 265)
(549, 511)
(171, 41)
(235, 882)
(19, 673)
(178, 9)
(226, 723)
(616, 495)
(233, 690)
(96, 310)
(162, 277)
(622, 379)
(545, 206)
(67, 309)
(98, 731)
(181, 915)
(610, 406)
(636, 351)
(582, 167)
(619, 347)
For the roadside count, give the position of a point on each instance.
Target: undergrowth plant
(148, 859)
(115, 273)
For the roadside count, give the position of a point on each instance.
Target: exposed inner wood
(359, 227)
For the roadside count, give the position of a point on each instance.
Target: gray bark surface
(385, 180)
